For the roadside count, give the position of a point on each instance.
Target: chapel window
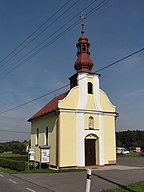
(37, 136)
(90, 88)
(46, 136)
(83, 47)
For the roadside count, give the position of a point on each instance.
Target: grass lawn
(6, 170)
(134, 154)
(46, 170)
(136, 187)
(131, 154)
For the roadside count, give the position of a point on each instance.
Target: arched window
(36, 136)
(46, 136)
(91, 122)
(90, 88)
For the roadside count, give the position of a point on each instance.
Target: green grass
(6, 170)
(52, 170)
(46, 170)
(134, 154)
(131, 154)
(136, 187)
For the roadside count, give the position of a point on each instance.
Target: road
(131, 161)
(10, 183)
(128, 170)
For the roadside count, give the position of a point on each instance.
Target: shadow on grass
(113, 182)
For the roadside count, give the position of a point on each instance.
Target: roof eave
(33, 118)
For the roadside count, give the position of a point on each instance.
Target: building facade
(78, 126)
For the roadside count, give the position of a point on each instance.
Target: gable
(71, 100)
(106, 103)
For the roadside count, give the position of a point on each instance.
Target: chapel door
(90, 151)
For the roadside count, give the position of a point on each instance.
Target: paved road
(10, 183)
(75, 182)
(128, 170)
(131, 161)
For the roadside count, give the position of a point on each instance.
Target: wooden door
(90, 152)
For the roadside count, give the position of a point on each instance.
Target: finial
(82, 18)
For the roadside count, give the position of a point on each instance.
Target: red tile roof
(49, 107)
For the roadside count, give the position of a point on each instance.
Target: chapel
(78, 127)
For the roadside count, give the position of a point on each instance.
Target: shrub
(17, 158)
(12, 164)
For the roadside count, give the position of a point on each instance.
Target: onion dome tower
(83, 62)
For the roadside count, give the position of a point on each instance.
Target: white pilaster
(81, 132)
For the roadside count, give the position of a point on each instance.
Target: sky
(28, 71)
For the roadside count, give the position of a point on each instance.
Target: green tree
(129, 138)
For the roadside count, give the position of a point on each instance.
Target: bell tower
(83, 63)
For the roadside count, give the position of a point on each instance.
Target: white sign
(44, 155)
(31, 150)
(31, 158)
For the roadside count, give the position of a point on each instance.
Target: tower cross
(82, 18)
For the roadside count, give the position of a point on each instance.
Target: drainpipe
(57, 139)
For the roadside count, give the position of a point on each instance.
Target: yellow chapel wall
(109, 129)
(71, 100)
(40, 123)
(67, 132)
(67, 136)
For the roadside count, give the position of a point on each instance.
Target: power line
(107, 66)
(35, 99)
(114, 63)
(40, 33)
(27, 38)
(13, 131)
(104, 2)
(19, 62)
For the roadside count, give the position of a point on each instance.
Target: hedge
(16, 158)
(12, 164)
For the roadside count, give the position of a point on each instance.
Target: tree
(129, 139)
